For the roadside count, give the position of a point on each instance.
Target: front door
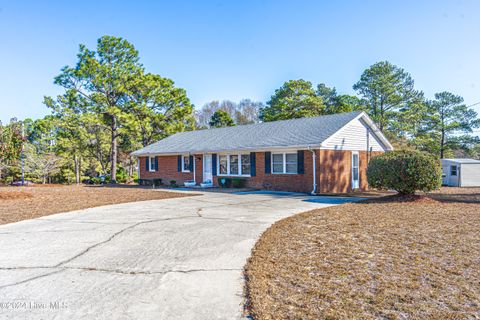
(355, 171)
(207, 168)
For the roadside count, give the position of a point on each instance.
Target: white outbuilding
(461, 172)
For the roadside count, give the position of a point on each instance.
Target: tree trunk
(77, 169)
(113, 165)
(132, 166)
(80, 170)
(442, 143)
(382, 119)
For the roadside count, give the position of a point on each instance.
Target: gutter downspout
(138, 168)
(314, 171)
(194, 169)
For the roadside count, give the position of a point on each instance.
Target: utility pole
(22, 156)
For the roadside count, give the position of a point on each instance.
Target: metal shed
(461, 172)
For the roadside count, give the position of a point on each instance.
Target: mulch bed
(21, 203)
(392, 258)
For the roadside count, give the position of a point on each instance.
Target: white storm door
(355, 171)
(207, 167)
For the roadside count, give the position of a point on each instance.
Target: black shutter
(300, 162)
(190, 167)
(253, 166)
(147, 163)
(156, 163)
(268, 162)
(214, 164)
(179, 163)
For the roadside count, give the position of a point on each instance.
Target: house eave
(247, 149)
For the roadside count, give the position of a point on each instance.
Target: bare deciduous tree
(41, 165)
(244, 112)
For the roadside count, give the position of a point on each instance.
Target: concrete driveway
(163, 259)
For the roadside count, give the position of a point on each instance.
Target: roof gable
(359, 134)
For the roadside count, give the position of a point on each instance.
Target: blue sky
(242, 49)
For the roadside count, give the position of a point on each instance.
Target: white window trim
(284, 162)
(183, 164)
(151, 161)
(239, 155)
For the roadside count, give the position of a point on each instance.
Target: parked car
(19, 183)
(88, 181)
(101, 179)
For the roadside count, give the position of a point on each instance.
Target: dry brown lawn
(375, 260)
(20, 203)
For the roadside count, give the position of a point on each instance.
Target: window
(223, 164)
(291, 162)
(245, 161)
(284, 163)
(151, 164)
(453, 170)
(277, 163)
(185, 163)
(234, 164)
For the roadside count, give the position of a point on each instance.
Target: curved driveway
(178, 258)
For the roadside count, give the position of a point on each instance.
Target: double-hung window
(185, 163)
(151, 164)
(453, 170)
(223, 164)
(234, 164)
(284, 163)
(245, 164)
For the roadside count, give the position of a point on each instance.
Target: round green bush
(405, 171)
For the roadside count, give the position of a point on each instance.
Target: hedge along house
(326, 154)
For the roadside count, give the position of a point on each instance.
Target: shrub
(97, 180)
(238, 183)
(225, 182)
(173, 183)
(134, 178)
(405, 171)
(121, 175)
(232, 182)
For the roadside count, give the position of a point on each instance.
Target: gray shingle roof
(286, 133)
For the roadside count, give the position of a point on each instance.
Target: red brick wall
(283, 182)
(364, 159)
(168, 170)
(334, 172)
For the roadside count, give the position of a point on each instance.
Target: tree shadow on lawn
(119, 186)
(442, 196)
(473, 198)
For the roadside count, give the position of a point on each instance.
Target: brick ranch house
(326, 154)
